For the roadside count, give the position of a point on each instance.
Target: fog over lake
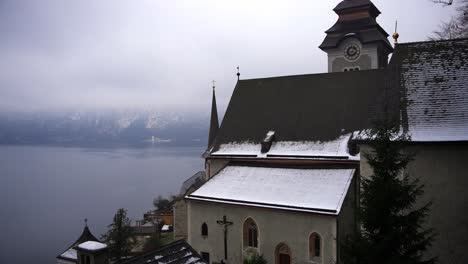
(46, 192)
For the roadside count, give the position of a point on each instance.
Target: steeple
(356, 41)
(214, 125)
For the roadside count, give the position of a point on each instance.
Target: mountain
(104, 127)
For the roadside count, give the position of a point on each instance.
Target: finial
(86, 221)
(214, 85)
(395, 34)
(238, 73)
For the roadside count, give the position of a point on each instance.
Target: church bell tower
(356, 41)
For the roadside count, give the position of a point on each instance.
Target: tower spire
(214, 125)
(395, 34)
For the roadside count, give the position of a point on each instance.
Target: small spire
(214, 123)
(395, 34)
(238, 73)
(214, 85)
(86, 222)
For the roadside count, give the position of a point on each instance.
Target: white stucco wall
(274, 227)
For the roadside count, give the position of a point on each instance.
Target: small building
(164, 216)
(70, 255)
(92, 252)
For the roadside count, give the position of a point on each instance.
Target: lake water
(46, 192)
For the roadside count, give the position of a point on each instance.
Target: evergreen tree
(119, 238)
(391, 225)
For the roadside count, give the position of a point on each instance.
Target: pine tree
(119, 238)
(391, 225)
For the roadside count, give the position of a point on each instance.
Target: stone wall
(180, 219)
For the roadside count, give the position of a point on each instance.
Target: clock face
(352, 51)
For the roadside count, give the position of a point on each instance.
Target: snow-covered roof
(165, 228)
(331, 149)
(92, 245)
(434, 80)
(69, 254)
(178, 252)
(308, 190)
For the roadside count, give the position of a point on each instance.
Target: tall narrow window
(314, 247)
(253, 235)
(250, 233)
(204, 229)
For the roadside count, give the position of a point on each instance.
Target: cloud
(163, 54)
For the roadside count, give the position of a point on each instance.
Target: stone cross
(225, 225)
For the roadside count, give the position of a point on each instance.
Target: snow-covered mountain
(126, 127)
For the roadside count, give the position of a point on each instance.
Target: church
(283, 169)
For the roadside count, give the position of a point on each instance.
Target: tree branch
(444, 2)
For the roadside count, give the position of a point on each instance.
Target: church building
(282, 171)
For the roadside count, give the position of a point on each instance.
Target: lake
(47, 192)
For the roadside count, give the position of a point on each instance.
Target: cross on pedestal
(225, 225)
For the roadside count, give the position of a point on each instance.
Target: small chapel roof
(307, 190)
(92, 246)
(70, 252)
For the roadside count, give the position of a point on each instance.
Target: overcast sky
(88, 54)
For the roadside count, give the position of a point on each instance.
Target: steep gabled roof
(305, 108)
(433, 78)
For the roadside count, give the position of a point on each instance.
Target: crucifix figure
(225, 225)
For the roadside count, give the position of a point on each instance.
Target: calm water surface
(46, 192)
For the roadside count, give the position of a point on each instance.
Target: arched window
(314, 247)
(204, 229)
(250, 233)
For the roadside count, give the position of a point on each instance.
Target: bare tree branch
(444, 2)
(457, 26)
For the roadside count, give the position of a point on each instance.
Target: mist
(64, 55)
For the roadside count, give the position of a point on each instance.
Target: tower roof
(347, 5)
(70, 252)
(214, 123)
(357, 18)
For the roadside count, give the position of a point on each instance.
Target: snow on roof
(434, 76)
(310, 190)
(69, 254)
(337, 148)
(92, 245)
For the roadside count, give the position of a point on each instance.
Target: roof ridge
(432, 41)
(311, 74)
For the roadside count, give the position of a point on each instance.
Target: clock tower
(356, 41)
